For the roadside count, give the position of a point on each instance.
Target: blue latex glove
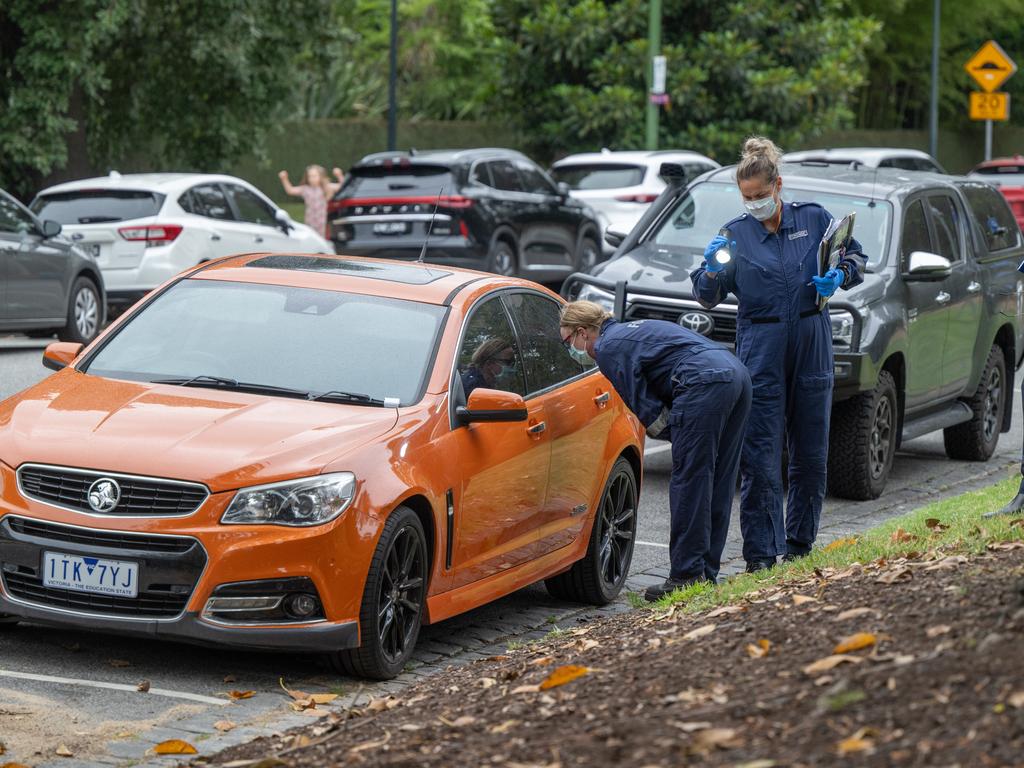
(717, 243)
(828, 283)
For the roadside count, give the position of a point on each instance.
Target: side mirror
(60, 354)
(564, 189)
(614, 238)
(928, 266)
(50, 228)
(491, 405)
(673, 174)
(284, 221)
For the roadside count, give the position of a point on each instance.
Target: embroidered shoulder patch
(798, 235)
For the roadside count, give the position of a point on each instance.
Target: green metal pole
(653, 49)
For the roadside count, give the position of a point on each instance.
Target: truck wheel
(976, 440)
(862, 441)
(502, 260)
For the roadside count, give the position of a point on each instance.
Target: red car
(1007, 173)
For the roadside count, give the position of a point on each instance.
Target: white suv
(620, 185)
(868, 157)
(145, 228)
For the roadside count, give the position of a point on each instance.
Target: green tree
(185, 84)
(574, 73)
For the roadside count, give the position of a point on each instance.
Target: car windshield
(307, 340)
(95, 206)
(599, 175)
(1001, 175)
(702, 211)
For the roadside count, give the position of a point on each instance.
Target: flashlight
(722, 255)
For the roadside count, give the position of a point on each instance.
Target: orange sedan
(315, 453)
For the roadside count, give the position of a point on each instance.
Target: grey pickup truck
(928, 341)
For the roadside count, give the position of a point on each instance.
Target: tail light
(417, 204)
(647, 198)
(153, 234)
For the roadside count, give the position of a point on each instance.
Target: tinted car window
(276, 335)
(209, 200)
(250, 207)
(915, 231)
(946, 219)
(481, 175)
(599, 175)
(13, 218)
(97, 205)
(547, 362)
(489, 355)
(533, 179)
(397, 179)
(992, 215)
(504, 176)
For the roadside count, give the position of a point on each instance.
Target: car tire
(85, 311)
(588, 256)
(976, 440)
(502, 259)
(599, 577)
(862, 442)
(385, 646)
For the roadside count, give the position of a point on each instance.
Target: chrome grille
(140, 496)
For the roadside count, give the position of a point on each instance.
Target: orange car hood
(223, 439)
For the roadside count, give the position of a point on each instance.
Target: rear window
(599, 175)
(380, 180)
(993, 216)
(95, 206)
(1002, 175)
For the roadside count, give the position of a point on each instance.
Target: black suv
(496, 211)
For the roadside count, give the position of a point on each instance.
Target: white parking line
(651, 544)
(113, 686)
(657, 449)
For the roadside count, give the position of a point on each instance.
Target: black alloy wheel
(862, 441)
(599, 576)
(393, 601)
(976, 439)
(880, 443)
(502, 259)
(588, 255)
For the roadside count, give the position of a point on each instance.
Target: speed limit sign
(990, 106)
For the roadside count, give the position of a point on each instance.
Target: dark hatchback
(496, 211)
(47, 284)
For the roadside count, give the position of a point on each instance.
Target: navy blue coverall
(786, 344)
(668, 374)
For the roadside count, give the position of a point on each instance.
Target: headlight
(596, 295)
(310, 501)
(842, 329)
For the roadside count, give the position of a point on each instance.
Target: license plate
(390, 227)
(90, 574)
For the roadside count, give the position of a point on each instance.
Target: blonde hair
(760, 159)
(583, 313)
(325, 182)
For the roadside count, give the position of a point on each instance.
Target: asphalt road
(52, 681)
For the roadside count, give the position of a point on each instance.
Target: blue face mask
(506, 371)
(580, 356)
(762, 209)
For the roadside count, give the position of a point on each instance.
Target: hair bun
(760, 146)
(760, 159)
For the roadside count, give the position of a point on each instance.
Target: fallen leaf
(224, 725)
(935, 524)
(63, 751)
(300, 705)
(236, 695)
(143, 687)
(901, 573)
(691, 727)
(899, 536)
(854, 744)
(938, 629)
(829, 662)
(726, 610)
(855, 642)
(763, 763)
(119, 662)
(174, 747)
(716, 738)
(543, 661)
(953, 561)
(13, 765)
(840, 543)
(504, 727)
(382, 704)
(760, 649)
(526, 689)
(693, 634)
(801, 599)
(459, 722)
(586, 644)
(323, 698)
(411, 727)
(229, 678)
(563, 675)
(486, 682)
(296, 694)
(853, 613)
(1004, 546)
(1016, 700)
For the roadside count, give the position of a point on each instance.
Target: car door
(256, 219)
(209, 202)
(577, 419)
(963, 288)
(927, 307)
(503, 465)
(36, 268)
(554, 222)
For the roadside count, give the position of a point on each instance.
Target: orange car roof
(431, 284)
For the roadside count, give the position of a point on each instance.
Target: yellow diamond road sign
(990, 66)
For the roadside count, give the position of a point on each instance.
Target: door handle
(536, 429)
(258, 239)
(942, 298)
(215, 237)
(974, 287)
(602, 399)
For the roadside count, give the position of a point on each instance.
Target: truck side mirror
(613, 238)
(928, 266)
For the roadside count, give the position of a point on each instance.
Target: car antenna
(430, 226)
(874, 181)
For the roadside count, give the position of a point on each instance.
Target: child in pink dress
(315, 190)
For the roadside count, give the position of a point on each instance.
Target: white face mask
(762, 209)
(579, 355)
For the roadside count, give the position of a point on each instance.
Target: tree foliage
(192, 83)
(574, 73)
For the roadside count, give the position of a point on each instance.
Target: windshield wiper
(97, 219)
(222, 382)
(200, 380)
(345, 397)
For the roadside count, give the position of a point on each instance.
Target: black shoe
(791, 557)
(658, 591)
(1015, 507)
(753, 566)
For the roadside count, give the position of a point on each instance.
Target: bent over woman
(686, 388)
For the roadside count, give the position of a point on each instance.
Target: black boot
(1015, 507)
(790, 557)
(753, 566)
(658, 591)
